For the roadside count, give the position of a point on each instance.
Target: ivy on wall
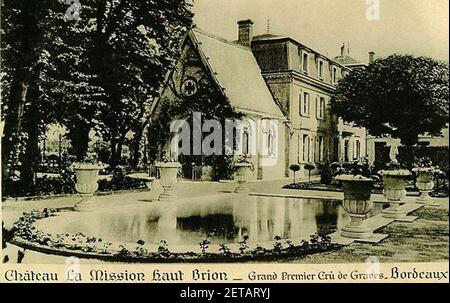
(209, 100)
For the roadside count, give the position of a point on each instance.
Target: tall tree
(26, 35)
(402, 96)
(135, 44)
(74, 82)
(98, 70)
(46, 79)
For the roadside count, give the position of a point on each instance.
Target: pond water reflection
(227, 219)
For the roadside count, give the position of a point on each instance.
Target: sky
(417, 27)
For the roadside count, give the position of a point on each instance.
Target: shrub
(439, 156)
(163, 249)
(309, 168)
(120, 181)
(123, 252)
(295, 168)
(63, 182)
(358, 167)
(277, 246)
(224, 250)
(326, 173)
(204, 244)
(243, 246)
(222, 168)
(441, 189)
(258, 251)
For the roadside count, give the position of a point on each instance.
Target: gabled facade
(271, 77)
(207, 61)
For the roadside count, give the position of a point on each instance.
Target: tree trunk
(409, 156)
(113, 158)
(119, 151)
(116, 152)
(79, 138)
(30, 158)
(136, 148)
(19, 86)
(14, 119)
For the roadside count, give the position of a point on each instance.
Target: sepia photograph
(307, 134)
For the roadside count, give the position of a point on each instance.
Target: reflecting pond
(228, 220)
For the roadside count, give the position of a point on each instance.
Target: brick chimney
(371, 57)
(245, 32)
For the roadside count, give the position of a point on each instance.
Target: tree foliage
(134, 45)
(99, 71)
(209, 100)
(402, 96)
(28, 32)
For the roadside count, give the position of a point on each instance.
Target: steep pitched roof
(235, 69)
(280, 38)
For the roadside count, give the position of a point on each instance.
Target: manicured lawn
(425, 240)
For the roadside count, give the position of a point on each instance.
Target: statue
(393, 153)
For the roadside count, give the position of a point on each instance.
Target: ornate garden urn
(242, 172)
(86, 185)
(425, 183)
(358, 204)
(395, 191)
(168, 172)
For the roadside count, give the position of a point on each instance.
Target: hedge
(438, 155)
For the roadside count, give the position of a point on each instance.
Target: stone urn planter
(358, 204)
(168, 172)
(425, 183)
(242, 172)
(395, 191)
(86, 185)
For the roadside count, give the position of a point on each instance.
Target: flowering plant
(24, 232)
(356, 170)
(423, 162)
(394, 168)
(246, 160)
(88, 162)
(425, 165)
(165, 159)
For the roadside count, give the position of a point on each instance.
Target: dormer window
(321, 67)
(305, 59)
(334, 71)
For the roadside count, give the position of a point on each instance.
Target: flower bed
(378, 188)
(315, 185)
(26, 235)
(431, 178)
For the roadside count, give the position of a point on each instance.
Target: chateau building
(302, 81)
(270, 77)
